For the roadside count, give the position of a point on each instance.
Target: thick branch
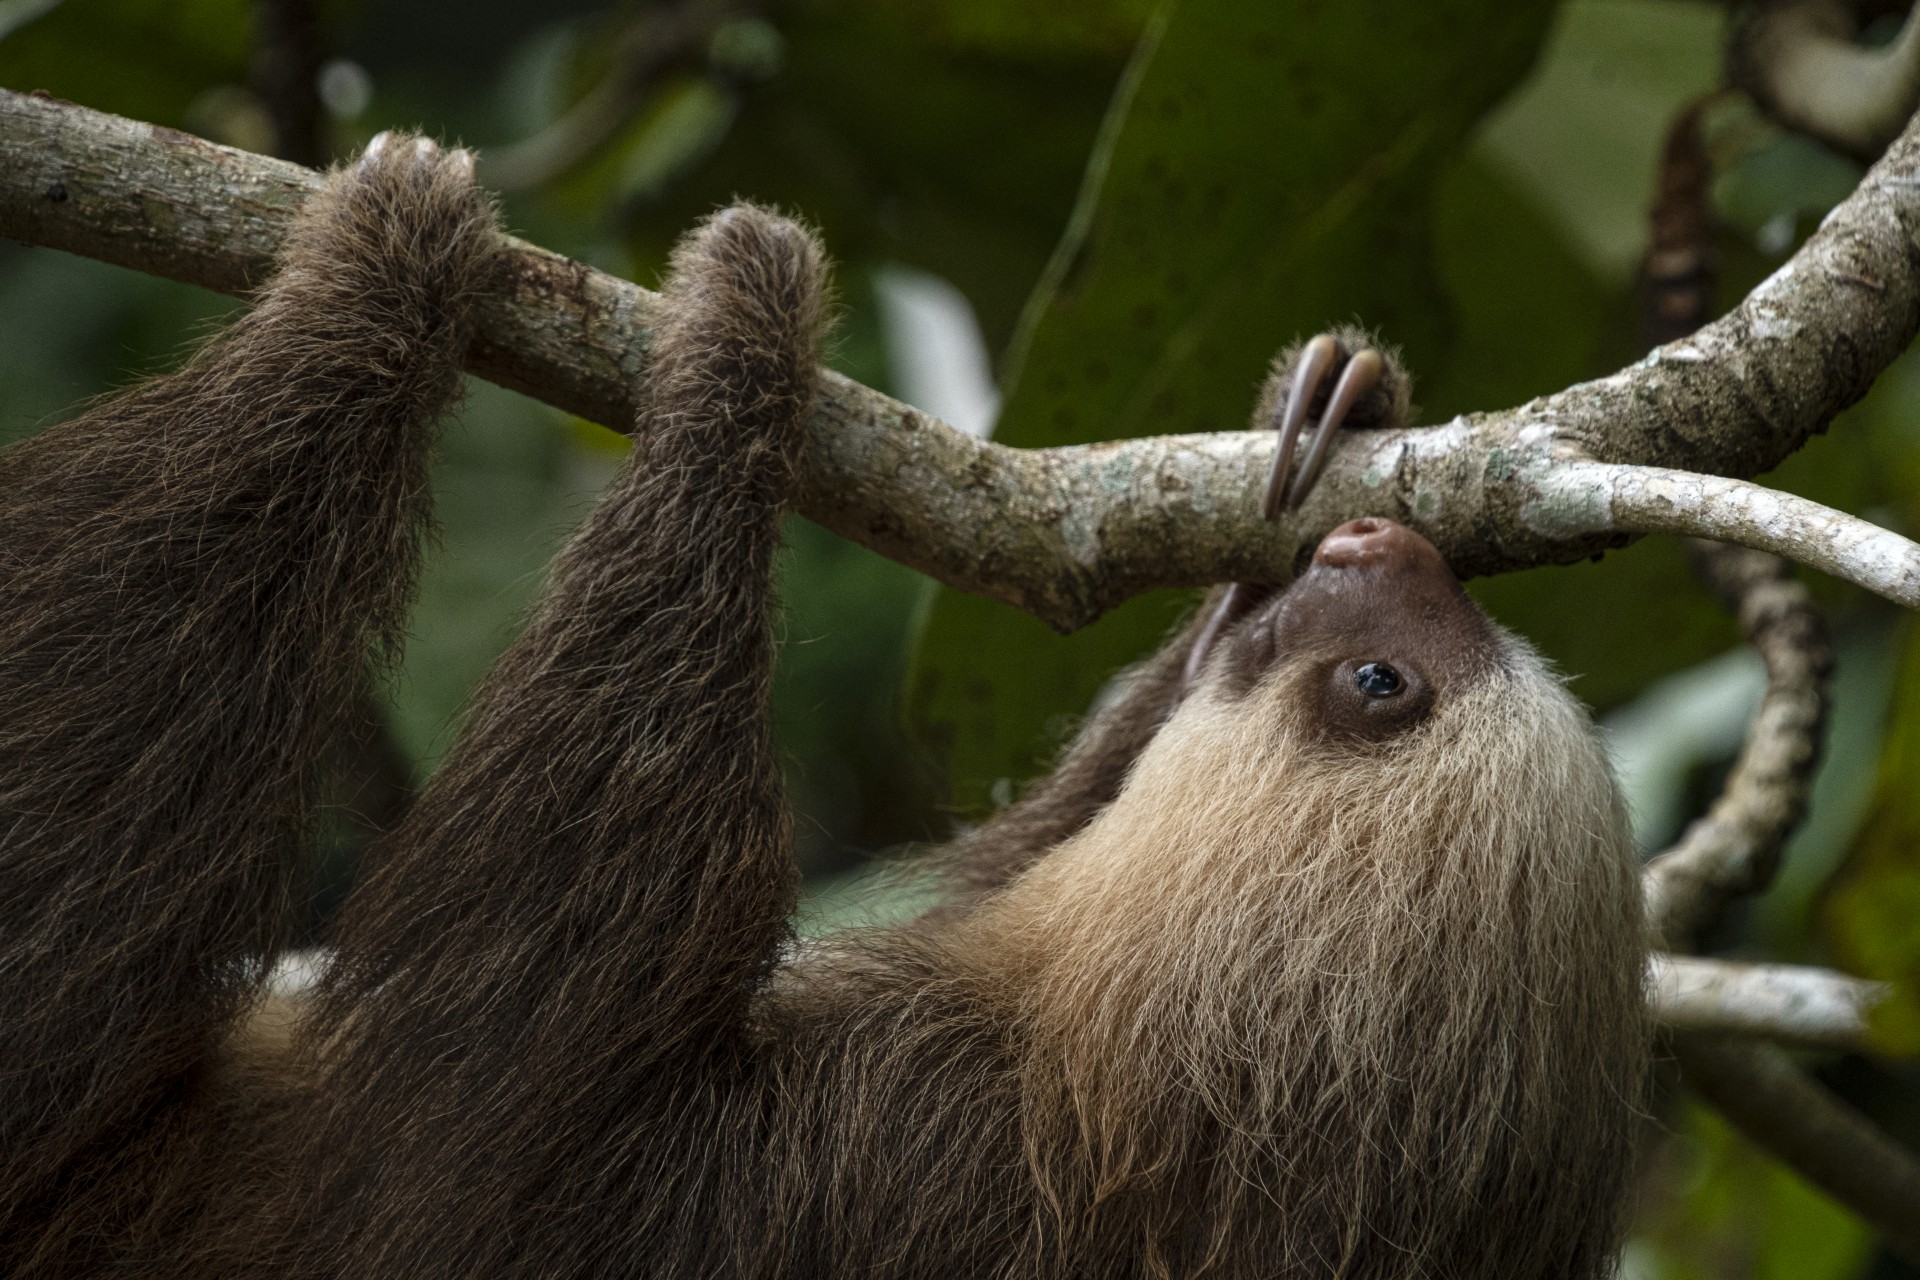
(1814, 1007)
(1735, 849)
(1068, 533)
(1828, 1143)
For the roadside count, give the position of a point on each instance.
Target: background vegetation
(1137, 205)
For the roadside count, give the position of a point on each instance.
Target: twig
(1814, 1007)
(1066, 534)
(287, 54)
(1589, 497)
(1827, 1142)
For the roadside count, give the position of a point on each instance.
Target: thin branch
(1735, 849)
(1799, 61)
(1827, 1142)
(1066, 534)
(1592, 497)
(1814, 1007)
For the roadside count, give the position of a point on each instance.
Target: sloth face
(1373, 637)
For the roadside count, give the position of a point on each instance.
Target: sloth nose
(1373, 542)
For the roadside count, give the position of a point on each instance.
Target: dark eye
(1378, 680)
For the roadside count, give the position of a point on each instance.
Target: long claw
(1316, 361)
(1362, 374)
(1239, 598)
(1317, 358)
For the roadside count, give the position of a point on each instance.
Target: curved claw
(1362, 374)
(1316, 361)
(1240, 598)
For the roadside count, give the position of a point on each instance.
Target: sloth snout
(1373, 542)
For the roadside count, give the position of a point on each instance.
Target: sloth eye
(1378, 680)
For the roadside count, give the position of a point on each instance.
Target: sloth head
(1360, 935)
(1368, 719)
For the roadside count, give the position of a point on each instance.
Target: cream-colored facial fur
(1401, 978)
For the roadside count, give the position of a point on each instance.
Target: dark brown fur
(193, 578)
(1258, 983)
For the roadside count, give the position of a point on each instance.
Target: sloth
(1318, 955)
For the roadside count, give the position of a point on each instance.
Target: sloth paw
(404, 225)
(1337, 379)
(418, 153)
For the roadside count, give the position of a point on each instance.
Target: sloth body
(1278, 974)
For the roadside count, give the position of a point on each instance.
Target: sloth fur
(1258, 983)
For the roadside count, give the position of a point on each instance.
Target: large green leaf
(1265, 170)
(148, 59)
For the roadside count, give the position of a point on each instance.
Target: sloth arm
(564, 936)
(192, 575)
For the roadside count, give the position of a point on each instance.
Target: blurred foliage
(1141, 203)
(1725, 1212)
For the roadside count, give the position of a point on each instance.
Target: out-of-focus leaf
(148, 59)
(908, 135)
(688, 120)
(1267, 170)
(1783, 176)
(1026, 29)
(853, 782)
(1584, 135)
(1866, 658)
(508, 488)
(1872, 908)
(1717, 1208)
(1529, 315)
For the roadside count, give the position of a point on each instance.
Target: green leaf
(1584, 136)
(1872, 906)
(1726, 1209)
(1266, 170)
(148, 59)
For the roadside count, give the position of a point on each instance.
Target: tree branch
(1814, 1007)
(1735, 849)
(1827, 1142)
(1066, 534)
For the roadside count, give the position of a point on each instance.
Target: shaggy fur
(1264, 981)
(192, 579)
